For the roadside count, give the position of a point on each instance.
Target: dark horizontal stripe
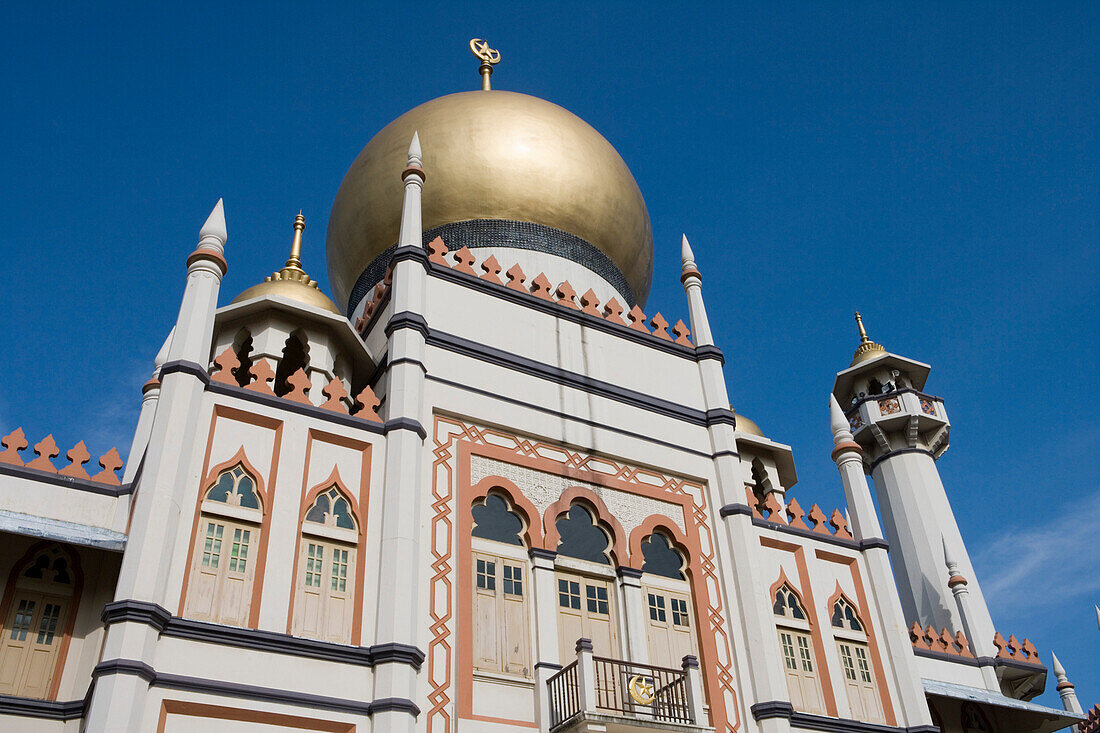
(708, 351)
(576, 316)
(522, 364)
(68, 482)
(406, 319)
(552, 666)
(730, 510)
(772, 709)
(721, 453)
(540, 552)
(27, 707)
(721, 416)
(407, 360)
(164, 622)
(899, 452)
(409, 252)
(806, 721)
(566, 416)
(945, 657)
(626, 572)
(874, 543)
(406, 423)
(248, 692)
(185, 367)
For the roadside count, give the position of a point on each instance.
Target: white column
(693, 287)
(586, 676)
(398, 611)
(694, 683)
(544, 597)
(867, 531)
(981, 641)
(634, 610)
(167, 484)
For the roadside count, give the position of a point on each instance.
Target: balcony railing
(599, 685)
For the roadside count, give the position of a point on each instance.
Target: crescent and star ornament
(641, 689)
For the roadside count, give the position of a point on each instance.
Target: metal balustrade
(603, 686)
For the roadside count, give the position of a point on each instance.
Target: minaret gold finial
(295, 260)
(867, 349)
(490, 57)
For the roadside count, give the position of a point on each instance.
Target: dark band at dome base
(504, 233)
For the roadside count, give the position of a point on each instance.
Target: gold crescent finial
(479, 47)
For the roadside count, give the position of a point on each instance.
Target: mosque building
(483, 490)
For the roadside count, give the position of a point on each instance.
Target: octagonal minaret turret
(902, 432)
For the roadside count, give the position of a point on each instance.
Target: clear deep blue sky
(932, 164)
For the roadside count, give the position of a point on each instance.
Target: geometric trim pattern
(448, 434)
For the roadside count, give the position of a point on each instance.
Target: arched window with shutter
(855, 660)
(325, 586)
(797, 648)
(223, 566)
(39, 604)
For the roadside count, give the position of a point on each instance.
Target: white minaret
(164, 487)
(399, 612)
(902, 432)
(1065, 687)
(767, 682)
(981, 639)
(866, 529)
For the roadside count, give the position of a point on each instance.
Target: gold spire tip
(295, 259)
(867, 348)
(489, 57)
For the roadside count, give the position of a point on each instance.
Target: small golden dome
(292, 282)
(867, 348)
(493, 155)
(745, 425)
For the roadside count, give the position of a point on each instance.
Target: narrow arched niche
(242, 347)
(295, 357)
(661, 557)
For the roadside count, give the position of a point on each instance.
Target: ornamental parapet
(46, 450)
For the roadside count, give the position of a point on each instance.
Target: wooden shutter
(586, 608)
(798, 665)
(32, 637)
(222, 571)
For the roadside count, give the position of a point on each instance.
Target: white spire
(687, 257)
(947, 558)
(1059, 670)
(838, 424)
(1097, 616)
(215, 226)
(415, 154)
(411, 232)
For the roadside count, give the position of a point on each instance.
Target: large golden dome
(493, 155)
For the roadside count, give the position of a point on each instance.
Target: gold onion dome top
(745, 425)
(493, 155)
(291, 281)
(867, 348)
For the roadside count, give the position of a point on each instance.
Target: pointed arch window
(855, 660)
(502, 588)
(796, 645)
(325, 589)
(40, 602)
(586, 593)
(670, 626)
(223, 568)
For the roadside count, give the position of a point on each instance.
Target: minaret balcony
(896, 410)
(602, 694)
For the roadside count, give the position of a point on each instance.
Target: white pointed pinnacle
(415, 154)
(1097, 616)
(215, 225)
(838, 424)
(948, 560)
(1059, 670)
(687, 257)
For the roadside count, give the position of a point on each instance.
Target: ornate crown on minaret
(867, 348)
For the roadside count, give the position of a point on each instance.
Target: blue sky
(934, 165)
